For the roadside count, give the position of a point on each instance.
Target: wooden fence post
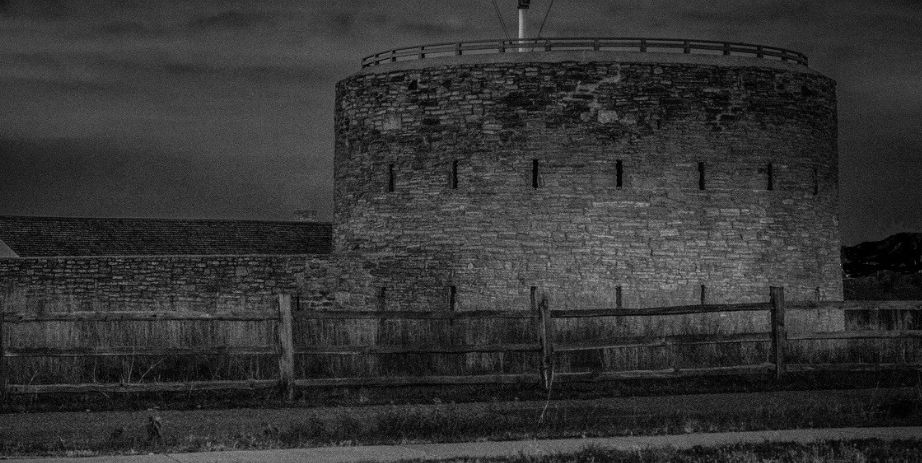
(546, 331)
(779, 337)
(286, 348)
(905, 324)
(3, 374)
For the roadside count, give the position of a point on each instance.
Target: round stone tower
(605, 172)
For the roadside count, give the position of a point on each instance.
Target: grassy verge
(346, 396)
(87, 433)
(864, 451)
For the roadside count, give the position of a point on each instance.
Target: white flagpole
(523, 7)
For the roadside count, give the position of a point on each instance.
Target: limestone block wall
(206, 283)
(619, 177)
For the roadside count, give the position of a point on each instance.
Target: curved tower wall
(740, 123)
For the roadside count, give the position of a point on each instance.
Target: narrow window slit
(452, 297)
(382, 297)
(771, 177)
(534, 173)
(703, 294)
(390, 177)
(453, 176)
(700, 175)
(618, 301)
(619, 173)
(816, 181)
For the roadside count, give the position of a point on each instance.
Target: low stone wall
(202, 283)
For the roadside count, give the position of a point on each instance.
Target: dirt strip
(391, 453)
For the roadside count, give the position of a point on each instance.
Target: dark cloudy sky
(212, 109)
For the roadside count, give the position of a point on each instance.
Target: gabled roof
(5, 250)
(73, 236)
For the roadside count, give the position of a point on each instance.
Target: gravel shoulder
(528, 448)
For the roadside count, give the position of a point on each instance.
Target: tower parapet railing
(631, 44)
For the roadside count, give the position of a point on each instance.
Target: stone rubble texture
(577, 236)
(142, 283)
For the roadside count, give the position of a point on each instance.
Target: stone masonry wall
(578, 236)
(206, 283)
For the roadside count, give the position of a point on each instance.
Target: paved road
(390, 453)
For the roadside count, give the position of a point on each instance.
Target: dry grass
(443, 421)
(139, 335)
(856, 451)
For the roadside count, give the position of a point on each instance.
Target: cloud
(36, 9)
(742, 14)
(104, 70)
(256, 73)
(342, 22)
(128, 28)
(428, 29)
(100, 177)
(233, 19)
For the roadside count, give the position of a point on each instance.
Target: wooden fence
(322, 348)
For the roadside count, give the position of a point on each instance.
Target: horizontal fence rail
(15, 318)
(412, 315)
(430, 349)
(653, 311)
(246, 385)
(630, 44)
(666, 373)
(661, 341)
(139, 316)
(867, 334)
(541, 327)
(138, 351)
